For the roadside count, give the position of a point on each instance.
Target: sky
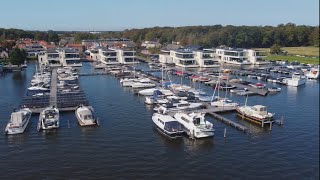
(114, 15)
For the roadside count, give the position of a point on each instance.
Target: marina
(114, 109)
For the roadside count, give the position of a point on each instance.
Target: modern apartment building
(240, 56)
(60, 57)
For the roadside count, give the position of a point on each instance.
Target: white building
(69, 57)
(113, 55)
(192, 58)
(50, 57)
(108, 56)
(126, 55)
(151, 44)
(206, 58)
(240, 56)
(184, 58)
(232, 56)
(256, 57)
(60, 57)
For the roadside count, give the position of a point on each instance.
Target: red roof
(74, 45)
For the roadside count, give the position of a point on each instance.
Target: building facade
(60, 57)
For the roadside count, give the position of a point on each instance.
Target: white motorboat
(257, 114)
(313, 73)
(150, 91)
(18, 122)
(274, 89)
(195, 125)
(167, 125)
(48, 119)
(85, 116)
(37, 88)
(178, 87)
(143, 85)
(224, 102)
(296, 80)
(180, 105)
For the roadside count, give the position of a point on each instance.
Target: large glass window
(53, 55)
(110, 53)
(72, 56)
(128, 54)
(128, 59)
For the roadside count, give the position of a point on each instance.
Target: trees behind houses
(18, 56)
(209, 36)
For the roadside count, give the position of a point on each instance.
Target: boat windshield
(173, 126)
(87, 117)
(196, 121)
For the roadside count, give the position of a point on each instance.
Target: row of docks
(207, 109)
(67, 97)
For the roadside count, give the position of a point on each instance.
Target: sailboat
(222, 102)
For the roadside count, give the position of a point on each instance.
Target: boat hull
(252, 118)
(17, 130)
(82, 123)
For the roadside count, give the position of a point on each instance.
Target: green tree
(17, 56)
(275, 49)
(53, 37)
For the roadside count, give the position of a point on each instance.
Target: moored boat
(48, 119)
(257, 114)
(167, 125)
(18, 122)
(195, 125)
(85, 116)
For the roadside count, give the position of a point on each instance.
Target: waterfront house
(108, 56)
(206, 58)
(240, 56)
(69, 57)
(60, 57)
(50, 58)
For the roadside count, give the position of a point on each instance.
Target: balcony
(72, 56)
(184, 56)
(108, 54)
(206, 56)
(128, 54)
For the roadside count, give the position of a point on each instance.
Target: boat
(296, 80)
(18, 122)
(167, 125)
(258, 85)
(85, 116)
(274, 89)
(226, 86)
(313, 73)
(143, 85)
(150, 91)
(224, 102)
(179, 105)
(195, 125)
(238, 90)
(48, 119)
(257, 114)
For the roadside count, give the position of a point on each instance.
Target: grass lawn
(310, 52)
(304, 51)
(307, 60)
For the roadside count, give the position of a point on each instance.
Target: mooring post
(270, 125)
(68, 124)
(225, 133)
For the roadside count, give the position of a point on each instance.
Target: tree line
(14, 34)
(208, 36)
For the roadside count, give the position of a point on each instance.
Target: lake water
(126, 144)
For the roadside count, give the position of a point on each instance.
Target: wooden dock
(228, 121)
(262, 92)
(53, 89)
